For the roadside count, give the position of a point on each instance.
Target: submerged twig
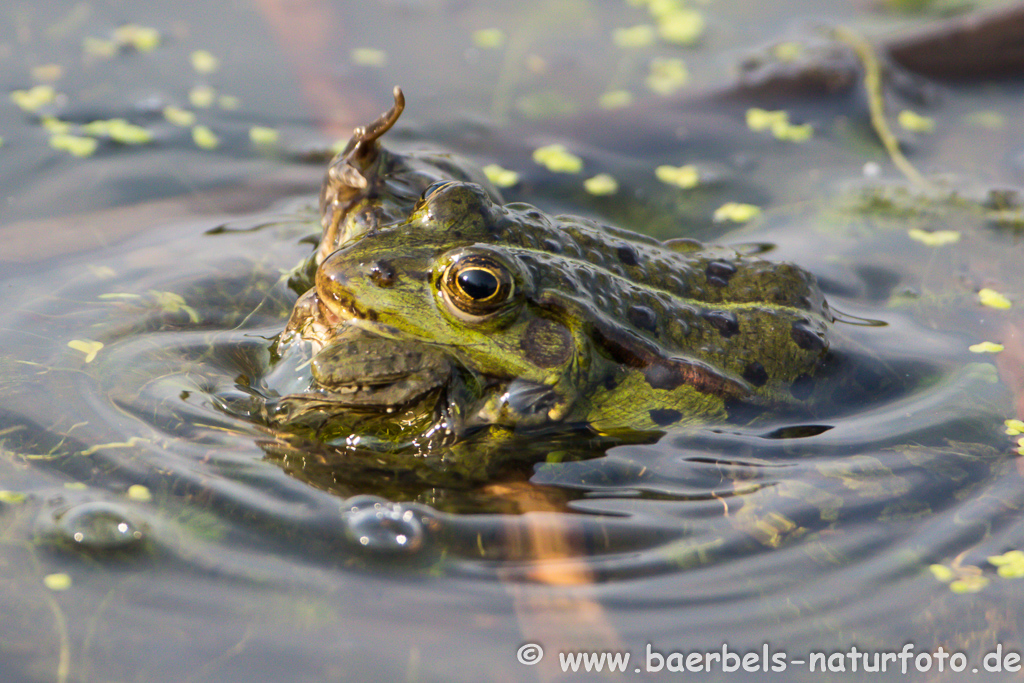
(876, 104)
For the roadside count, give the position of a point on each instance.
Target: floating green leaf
(736, 212)
(972, 583)
(935, 238)
(682, 26)
(634, 36)
(914, 122)
(601, 185)
(993, 299)
(34, 98)
(87, 346)
(489, 38)
(985, 347)
(139, 493)
(686, 177)
(142, 38)
(204, 62)
(368, 56)
(99, 47)
(615, 99)
(11, 497)
(1010, 564)
(57, 582)
(263, 136)
(202, 96)
(667, 75)
(501, 177)
(204, 137)
(179, 117)
(558, 159)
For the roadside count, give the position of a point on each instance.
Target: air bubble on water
(99, 525)
(379, 525)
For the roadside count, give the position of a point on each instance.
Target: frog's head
(444, 279)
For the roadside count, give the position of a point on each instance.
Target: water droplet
(99, 526)
(382, 526)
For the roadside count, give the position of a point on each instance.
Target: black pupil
(478, 284)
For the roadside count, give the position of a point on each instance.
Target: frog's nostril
(383, 274)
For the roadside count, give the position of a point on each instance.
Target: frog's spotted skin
(523, 319)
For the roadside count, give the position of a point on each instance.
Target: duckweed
(686, 177)
(501, 177)
(74, 144)
(87, 346)
(736, 212)
(972, 583)
(667, 75)
(993, 299)
(1014, 427)
(264, 136)
(489, 38)
(558, 159)
(118, 130)
(634, 36)
(914, 122)
(204, 137)
(601, 185)
(202, 96)
(11, 497)
(367, 56)
(204, 62)
(985, 347)
(34, 98)
(179, 117)
(139, 493)
(1010, 565)
(778, 123)
(615, 99)
(141, 38)
(935, 238)
(682, 26)
(57, 582)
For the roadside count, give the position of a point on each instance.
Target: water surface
(150, 534)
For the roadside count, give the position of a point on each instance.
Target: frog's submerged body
(436, 309)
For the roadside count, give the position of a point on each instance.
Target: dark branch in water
(979, 45)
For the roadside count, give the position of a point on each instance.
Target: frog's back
(765, 324)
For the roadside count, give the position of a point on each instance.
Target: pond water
(150, 532)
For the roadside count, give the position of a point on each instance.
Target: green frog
(436, 309)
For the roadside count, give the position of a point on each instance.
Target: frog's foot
(352, 173)
(522, 403)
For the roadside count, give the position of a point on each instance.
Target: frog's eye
(432, 188)
(479, 284)
(476, 285)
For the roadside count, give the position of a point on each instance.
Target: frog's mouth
(362, 370)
